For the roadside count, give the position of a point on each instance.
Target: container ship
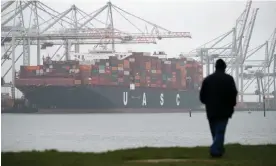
(104, 81)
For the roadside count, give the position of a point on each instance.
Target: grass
(236, 155)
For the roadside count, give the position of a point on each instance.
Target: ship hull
(85, 99)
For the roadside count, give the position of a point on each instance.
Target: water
(101, 132)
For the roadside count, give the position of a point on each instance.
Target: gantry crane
(244, 50)
(230, 51)
(236, 53)
(263, 68)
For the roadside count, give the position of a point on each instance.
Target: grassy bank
(235, 155)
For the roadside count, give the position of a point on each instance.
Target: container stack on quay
(140, 68)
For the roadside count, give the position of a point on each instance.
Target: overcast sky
(204, 19)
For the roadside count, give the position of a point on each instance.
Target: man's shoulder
(225, 75)
(228, 76)
(207, 78)
(211, 76)
(218, 76)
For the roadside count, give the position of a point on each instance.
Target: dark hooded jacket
(218, 93)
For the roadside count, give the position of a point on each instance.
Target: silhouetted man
(218, 93)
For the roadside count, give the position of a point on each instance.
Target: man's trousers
(218, 128)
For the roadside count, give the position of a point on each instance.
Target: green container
(182, 63)
(143, 74)
(114, 76)
(120, 83)
(101, 67)
(164, 77)
(95, 71)
(168, 75)
(114, 71)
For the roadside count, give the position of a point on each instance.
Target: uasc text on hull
(101, 97)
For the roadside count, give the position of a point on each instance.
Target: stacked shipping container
(62, 69)
(143, 71)
(110, 72)
(50, 73)
(30, 71)
(194, 74)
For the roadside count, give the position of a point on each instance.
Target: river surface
(101, 132)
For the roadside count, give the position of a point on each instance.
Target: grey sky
(205, 20)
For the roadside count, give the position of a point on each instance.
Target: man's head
(220, 65)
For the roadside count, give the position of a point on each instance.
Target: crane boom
(96, 35)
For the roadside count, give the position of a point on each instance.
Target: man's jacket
(219, 94)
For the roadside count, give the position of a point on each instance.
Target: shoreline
(117, 111)
(236, 154)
